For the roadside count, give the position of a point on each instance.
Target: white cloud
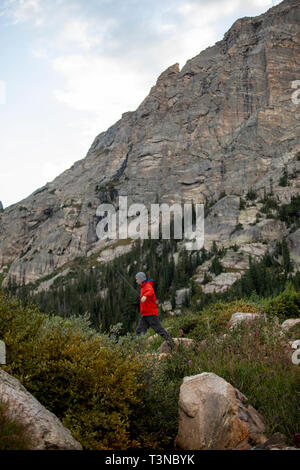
(209, 13)
(103, 60)
(264, 3)
(39, 53)
(166, 27)
(26, 10)
(78, 32)
(99, 85)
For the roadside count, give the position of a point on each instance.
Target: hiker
(148, 309)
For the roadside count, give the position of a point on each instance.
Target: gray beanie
(141, 276)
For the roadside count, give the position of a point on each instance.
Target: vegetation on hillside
(113, 392)
(100, 292)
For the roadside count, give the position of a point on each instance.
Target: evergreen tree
(286, 259)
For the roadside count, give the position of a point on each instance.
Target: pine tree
(286, 260)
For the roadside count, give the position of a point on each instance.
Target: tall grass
(14, 435)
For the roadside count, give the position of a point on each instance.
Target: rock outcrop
(181, 296)
(242, 317)
(213, 415)
(290, 323)
(225, 122)
(45, 428)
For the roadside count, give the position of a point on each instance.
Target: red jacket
(148, 307)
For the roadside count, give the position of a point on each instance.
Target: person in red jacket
(148, 309)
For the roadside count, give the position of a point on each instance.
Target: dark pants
(153, 322)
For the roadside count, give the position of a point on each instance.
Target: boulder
(221, 282)
(213, 415)
(288, 324)
(181, 295)
(186, 342)
(239, 317)
(166, 306)
(46, 429)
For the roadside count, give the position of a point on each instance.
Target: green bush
(293, 333)
(216, 267)
(214, 318)
(285, 305)
(251, 194)
(90, 383)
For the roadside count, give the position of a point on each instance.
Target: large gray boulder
(241, 317)
(213, 415)
(221, 282)
(46, 429)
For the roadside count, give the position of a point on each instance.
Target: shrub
(284, 179)
(242, 204)
(269, 204)
(238, 227)
(289, 213)
(293, 333)
(206, 279)
(82, 377)
(251, 194)
(216, 266)
(285, 305)
(211, 320)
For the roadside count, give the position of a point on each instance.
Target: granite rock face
(225, 122)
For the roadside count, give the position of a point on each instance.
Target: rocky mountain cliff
(224, 125)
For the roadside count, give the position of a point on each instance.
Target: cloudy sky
(70, 68)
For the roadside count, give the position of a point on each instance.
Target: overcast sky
(70, 68)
